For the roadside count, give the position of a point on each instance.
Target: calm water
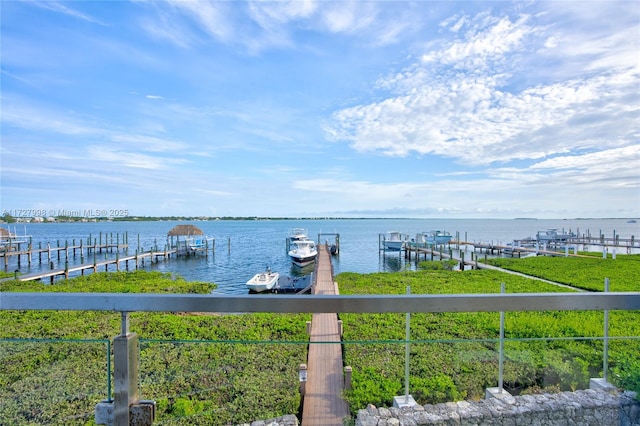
(244, 248)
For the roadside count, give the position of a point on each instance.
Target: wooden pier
(57, 252)
(323, 404)
(98, 264)
(568, 248)
(473, 261)
(22, 246)
(90, 255)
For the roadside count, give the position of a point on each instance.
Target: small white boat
(552, 235)
(295, 234)
(440, 237)
(197, 243)
(393, 241)
(303, 252)
(263, 281)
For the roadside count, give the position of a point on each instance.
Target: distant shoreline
(71, 219)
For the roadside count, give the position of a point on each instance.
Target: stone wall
(288, 420)
(584, 407)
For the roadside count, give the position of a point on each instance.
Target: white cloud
(453, 104)
(213, 17)
(130, 158)
(147, 143)
(272, 15)
(259, 25)
(607, 158)
(166, 28)
(21, 114)
(66, 10)
(486, 41)
(348, 17)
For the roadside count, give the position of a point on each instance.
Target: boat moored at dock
(263, 281)
(297, 234)
(303, 252)
(552, 235)
(432, 238)
(394, 241)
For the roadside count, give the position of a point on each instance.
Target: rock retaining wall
(584, 407)
(288, 420)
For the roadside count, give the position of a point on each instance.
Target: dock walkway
(323, 403)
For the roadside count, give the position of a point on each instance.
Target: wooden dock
(50, 252)
(87, 257)
(473, 262)
(323, 404)
(96, 264)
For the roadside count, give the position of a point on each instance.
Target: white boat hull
(303, 252)
(432, 238)
(264, 281)
(394, 241)
(303, 261)
(393, 245)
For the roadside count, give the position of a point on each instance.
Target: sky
(419, 109)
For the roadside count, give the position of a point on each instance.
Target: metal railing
(120, 302)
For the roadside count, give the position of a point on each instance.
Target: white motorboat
(394, 241)
(553, 236)
(297, 234)
(303, 252)
(431, 238)
(198, 243)
(263, 281)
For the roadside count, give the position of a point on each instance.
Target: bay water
(246, 247)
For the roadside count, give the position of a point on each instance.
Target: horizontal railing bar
(27, 340)
(319, 304)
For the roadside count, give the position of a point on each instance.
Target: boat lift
(334, 248)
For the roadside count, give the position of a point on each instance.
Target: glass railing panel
(44, 381)
(443, 370)
(439, 371)
(213, 382)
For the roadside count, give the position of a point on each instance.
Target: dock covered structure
(189, 239)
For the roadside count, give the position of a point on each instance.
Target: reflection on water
(394, 262)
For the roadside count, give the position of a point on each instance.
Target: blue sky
(322, 108)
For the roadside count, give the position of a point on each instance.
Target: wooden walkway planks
(323, 403)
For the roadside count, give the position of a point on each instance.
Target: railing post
(406, 400)
(302, 377)
(125, 371)
(348, 371)
(605, 356)
(125, 409)
(407, 336)
(499, 392)
(602, 383)
(501, 363)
